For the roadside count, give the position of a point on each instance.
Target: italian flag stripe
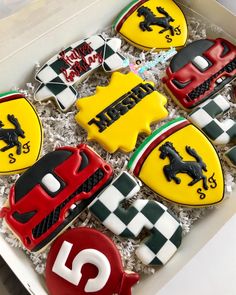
(137, 159)
(125, 13)
(10, 95)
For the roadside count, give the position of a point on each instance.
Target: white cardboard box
(42, 29)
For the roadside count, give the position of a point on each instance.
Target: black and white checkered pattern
(53, 82)
(230, 156)
(205, 118)
(165, 231)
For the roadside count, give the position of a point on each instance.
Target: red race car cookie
(53, 192)
(84, 261)
(200, 70)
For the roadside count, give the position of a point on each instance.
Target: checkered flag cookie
(204, 117)
(230, 156)
(165, 231)
(58, 75)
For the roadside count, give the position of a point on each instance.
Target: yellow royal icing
(148, 24)
(168, 152)
(20, 134)
(116, 114)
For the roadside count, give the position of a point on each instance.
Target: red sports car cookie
(200, 70)
(53, 192)
(84, 261)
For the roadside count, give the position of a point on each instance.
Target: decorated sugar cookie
(230, 156)
(73, 64)
(165, 232)
(205, 117)
(149, 24)
(117, 113)
(200, 70)
(180, 164)
(85, 261)
(53, 192)
(21, 134)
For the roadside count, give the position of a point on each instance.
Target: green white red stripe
(137, 159)
(126, 12)
(10, 95)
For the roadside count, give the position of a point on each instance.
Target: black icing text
(121, 106)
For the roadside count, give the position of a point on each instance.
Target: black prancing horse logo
(177, 165)
(10, 136)
(151, 19)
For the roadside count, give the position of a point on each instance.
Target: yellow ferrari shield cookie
(20, 133)
(116, 114)
(149, 24)
(180, 164)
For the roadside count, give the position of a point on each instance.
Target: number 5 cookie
(72, 65)
(85, 261)
(165, 232)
